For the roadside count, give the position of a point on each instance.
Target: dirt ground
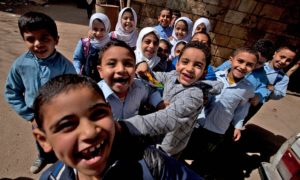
(276, 121)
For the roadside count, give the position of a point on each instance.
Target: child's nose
(88, 130)
(37, 43)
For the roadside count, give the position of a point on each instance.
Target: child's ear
(99, 68)
(40, 136)
(57, 40)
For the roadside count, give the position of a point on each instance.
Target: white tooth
(92, 149)
(102, 142)
(98, 146)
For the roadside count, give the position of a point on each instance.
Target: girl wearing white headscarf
(126, 27)
(85, 56)
(178, 29)
(152, 59)
(201, 24)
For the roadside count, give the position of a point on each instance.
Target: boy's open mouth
(91, 152)
(120, 80)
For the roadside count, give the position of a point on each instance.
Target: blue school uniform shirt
(164, 33)
(230, 106)
(139, 93)
(278, 79)
(27, 74)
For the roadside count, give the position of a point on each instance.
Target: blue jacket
(27, 75)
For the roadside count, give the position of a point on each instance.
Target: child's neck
(231, 79)
(122, 96)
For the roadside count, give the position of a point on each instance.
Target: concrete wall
(235, 23)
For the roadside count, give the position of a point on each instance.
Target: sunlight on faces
(178, 49)
(242, 64)
(150, 45)
(98, 29)
(201, 38)
(79, 128)
(181, 30)
(127, 21)
(200, 28)
(282, 58)
(40, 42)
(164, 18)
(117, 69)
(191, 65)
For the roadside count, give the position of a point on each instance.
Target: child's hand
(90, 34)
(237, 134)
(162, 105)
(141, 69)
(270, 87)
(254, 101)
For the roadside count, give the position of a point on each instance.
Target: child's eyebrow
(100, 104)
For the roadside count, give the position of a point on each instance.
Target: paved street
(275, 122)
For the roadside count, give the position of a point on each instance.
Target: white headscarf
(105, 20)
(152, 62)
(174, 47)
(203, 20)
(129, 37)
(188, 36)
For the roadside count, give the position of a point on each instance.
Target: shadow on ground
(236, 160)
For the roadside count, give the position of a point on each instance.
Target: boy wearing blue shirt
(164, 19)
(34, 68)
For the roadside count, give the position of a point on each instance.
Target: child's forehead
(165, 12)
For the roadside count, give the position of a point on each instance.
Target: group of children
(98, 130)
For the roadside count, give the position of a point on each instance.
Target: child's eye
(129, 64)
(66, 125)
(98, 114)
(30, 39)
(199, 66)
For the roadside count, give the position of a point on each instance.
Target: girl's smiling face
(98, 29)
(127, 21)
(181, 29)
(150, 44)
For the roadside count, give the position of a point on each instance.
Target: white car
(285, 165)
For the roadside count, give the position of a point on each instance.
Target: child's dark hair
(33, 21)
(128, 10)
(167, 9)
(167, 43)
(198, 45)
(177, 13)
(265, 47)
(292, 48)
(58, 85)
(207, 35)
(117, 43)
(185, 23)
(246, 49)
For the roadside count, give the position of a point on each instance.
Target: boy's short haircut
(246, 49)
(265, 47)
(167, 9)
(208, 37)
(61, 84)
(33, 21)
(292, 48)
(198, 45)
(177, 13)
(167, 43)
(117, 43)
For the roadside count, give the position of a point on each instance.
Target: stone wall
(235, 23)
